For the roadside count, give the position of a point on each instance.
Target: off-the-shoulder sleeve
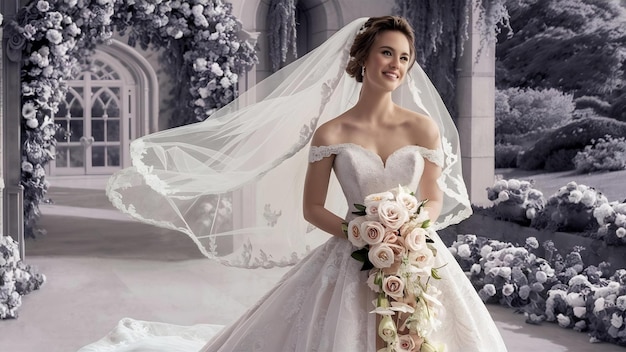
(433, 155)
(317, 153)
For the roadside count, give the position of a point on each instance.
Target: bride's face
(388, 60)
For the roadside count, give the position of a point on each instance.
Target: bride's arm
(315, 191)
(428, 187)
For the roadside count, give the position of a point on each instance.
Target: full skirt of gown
(323, 303)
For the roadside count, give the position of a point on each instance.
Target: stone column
(476, 121)
(13, 208)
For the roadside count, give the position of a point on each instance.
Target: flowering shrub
(555, 288)
(203, 53)
(612, 220)
(571, 209)
(467, 250)
(519, 111)
(569, 139)
(604, 154)
(16, 278)
(503, 273)
(515, 200)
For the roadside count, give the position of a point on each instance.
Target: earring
(363, 71)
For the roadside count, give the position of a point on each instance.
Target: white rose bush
(571, 208)
(16, 278)
(515, 200)
(392, 237)
(553, 288)
(611, 218)
(574, 208)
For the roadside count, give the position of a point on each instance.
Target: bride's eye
(386, 52)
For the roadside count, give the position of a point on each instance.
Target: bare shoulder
(422, 129)
(330, 132)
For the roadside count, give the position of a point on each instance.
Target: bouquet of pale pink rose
(392, 237)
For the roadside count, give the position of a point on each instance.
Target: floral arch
(200, 47)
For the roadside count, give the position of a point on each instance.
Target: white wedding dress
(323, 302)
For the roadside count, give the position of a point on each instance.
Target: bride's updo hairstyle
(367, 35)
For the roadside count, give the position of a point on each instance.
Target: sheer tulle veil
(233, 183)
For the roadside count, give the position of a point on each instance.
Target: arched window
(111, 102)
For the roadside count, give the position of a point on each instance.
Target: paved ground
(102, 267)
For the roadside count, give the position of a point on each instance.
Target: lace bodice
(361, 172)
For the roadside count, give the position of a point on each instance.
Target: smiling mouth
(391, 75)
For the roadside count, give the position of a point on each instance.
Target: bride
(373, 121)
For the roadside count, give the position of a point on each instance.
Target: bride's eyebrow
(392, 49)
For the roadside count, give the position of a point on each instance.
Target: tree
(577, 46)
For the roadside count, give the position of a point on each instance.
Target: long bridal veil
(233, 183)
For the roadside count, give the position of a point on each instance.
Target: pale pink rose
(377, 198)
(393, 214)
(391, 237)
(372, 203)
(393, 286)
(399, 252)
(409, 202)
(423, 260)
(372, 232)
(406, 343)
(396, 243)
(416, 239)
(354, 232)
(371, 212)
(381, 255)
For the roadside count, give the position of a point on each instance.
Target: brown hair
(365, 39)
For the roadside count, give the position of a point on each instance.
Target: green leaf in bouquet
(344, 228)
(426, 223)
(367, 265)
(360, 254)
(360, 209)
(435, 274)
